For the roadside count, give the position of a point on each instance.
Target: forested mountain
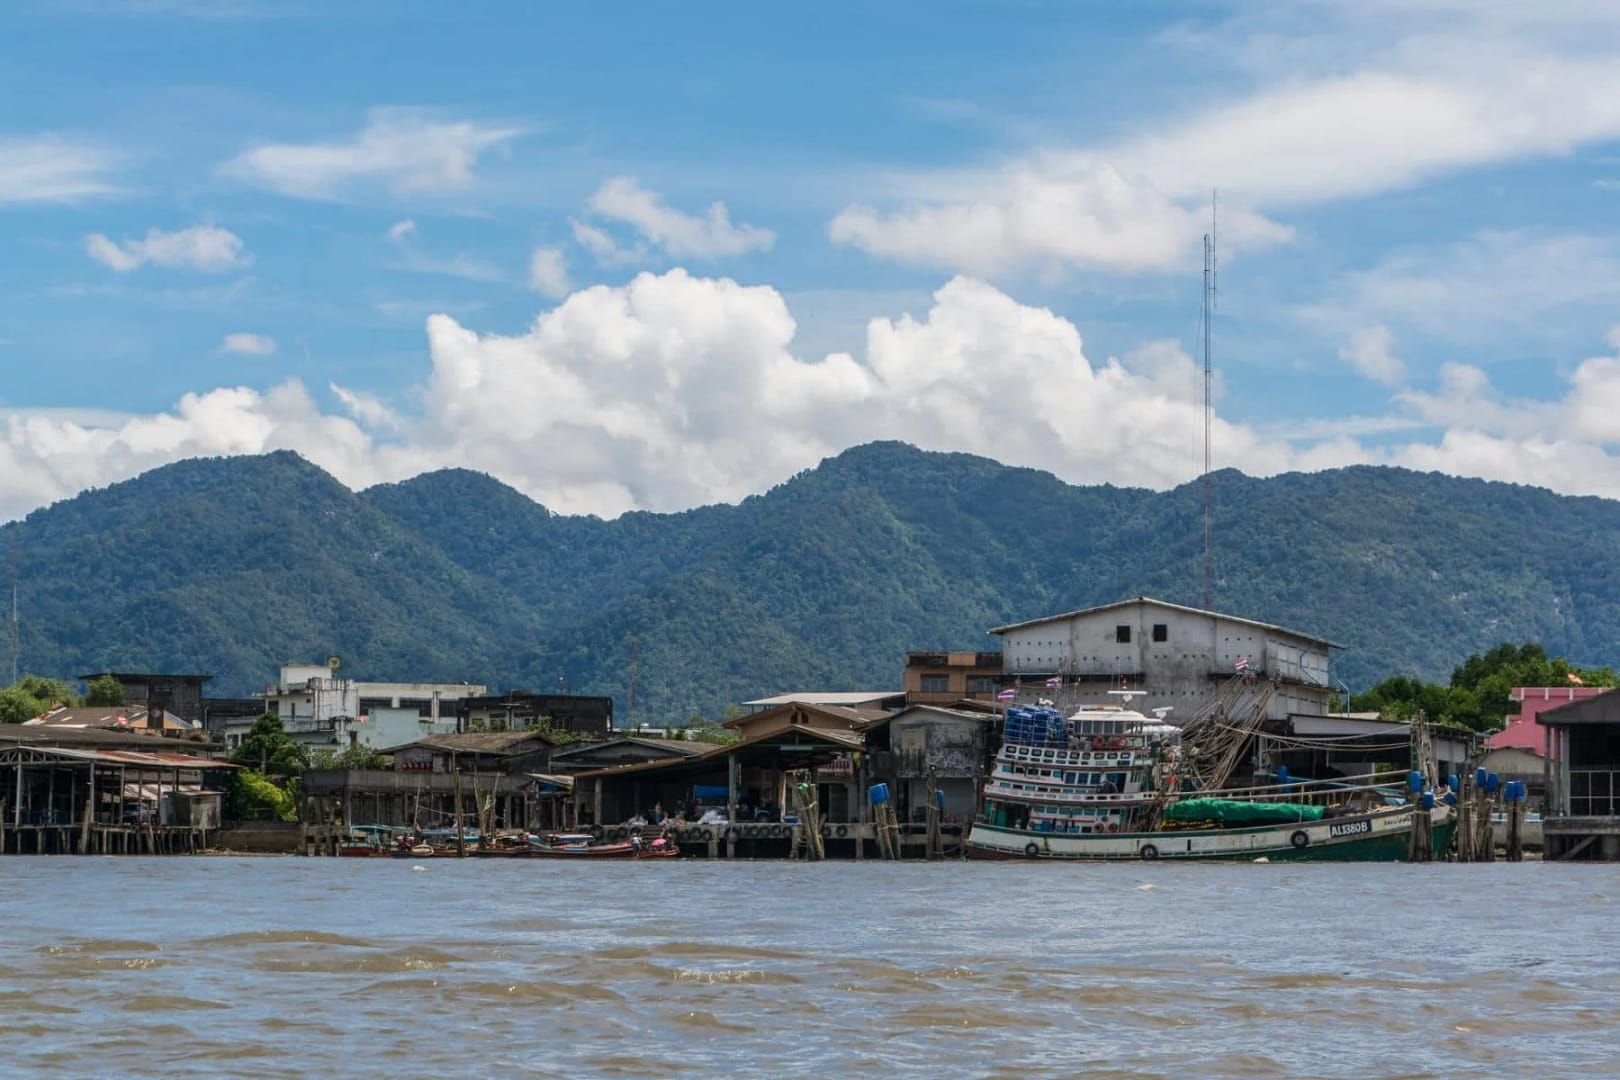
(232, 566)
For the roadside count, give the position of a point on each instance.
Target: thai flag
(1241, 665)
(1056, 680)
(1008, 694)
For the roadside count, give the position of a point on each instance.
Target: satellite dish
(334, 662)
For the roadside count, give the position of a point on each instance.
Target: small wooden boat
(659, 847)
(581, 846)
(367, 841)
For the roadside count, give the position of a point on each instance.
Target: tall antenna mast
(1209, 413)
(631, 719)
(16, 622)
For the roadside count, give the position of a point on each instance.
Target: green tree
(252, 797)
(269, 749)
(32, 695)
(104, 690)
(1479, 696)
(711, 733)
(350, 757)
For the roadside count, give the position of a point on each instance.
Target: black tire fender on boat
(782, 832)
(1032, 849)
(730, 837)
(1148, 851)
(1300, 838)
(842, 831)
(826, 832)
(703, 836)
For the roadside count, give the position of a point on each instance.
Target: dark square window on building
(1122, 634)
(1161, 632)
(983, 684)
(936, 684)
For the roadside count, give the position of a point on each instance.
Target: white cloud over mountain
(205, 248)
(674, 390)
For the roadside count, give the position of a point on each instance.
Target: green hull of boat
(1391, 847)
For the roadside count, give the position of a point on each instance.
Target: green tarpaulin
(1234, 813)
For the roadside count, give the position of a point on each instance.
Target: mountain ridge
(234, 565)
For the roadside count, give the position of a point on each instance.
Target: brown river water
(368, 968)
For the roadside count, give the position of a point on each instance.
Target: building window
(936, 684)
(1161, 631)
(983, 684)
(1122, 634)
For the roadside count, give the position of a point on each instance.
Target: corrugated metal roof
(131, 757)
(676, 747)
(1173, 607)
(833, 697)
(852, 740)
(475, 742)
(851, 716)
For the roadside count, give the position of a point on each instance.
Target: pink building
(1522, 731)
(1519, 751)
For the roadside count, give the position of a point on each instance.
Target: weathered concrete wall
(260, 837)
(1197, 651)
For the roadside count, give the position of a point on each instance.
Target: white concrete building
(1177, 655)
(322, 711)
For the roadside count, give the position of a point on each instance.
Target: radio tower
(16, 623)
(1209, 413)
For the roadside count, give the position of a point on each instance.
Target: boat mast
(1209, 493)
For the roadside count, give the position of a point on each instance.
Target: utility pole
(1209, 411)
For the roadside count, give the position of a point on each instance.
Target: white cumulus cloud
(709, 235)
(1369, 352)
(406, 150)
(674, 390)
(206, 248)
(248, 344)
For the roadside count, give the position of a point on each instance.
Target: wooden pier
(57, 800)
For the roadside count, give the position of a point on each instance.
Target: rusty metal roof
(139, 758)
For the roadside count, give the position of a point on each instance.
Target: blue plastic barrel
(1451, 781)
(1414, 781)
(1282, 774)
(879, 794)
(1428, 800)
(1492, 783)
(1481, 777)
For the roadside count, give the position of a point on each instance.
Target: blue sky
(605, 254)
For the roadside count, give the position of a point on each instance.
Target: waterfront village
(439, 768)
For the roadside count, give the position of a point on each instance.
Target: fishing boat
(367, 841)
(1108, 783)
